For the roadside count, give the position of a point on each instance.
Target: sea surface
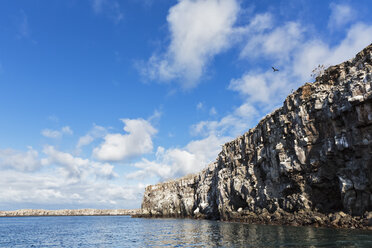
(124, 231)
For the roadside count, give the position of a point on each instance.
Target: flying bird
(274, 69)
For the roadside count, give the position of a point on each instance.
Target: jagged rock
(313, 154)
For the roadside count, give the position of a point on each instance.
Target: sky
(100, 98)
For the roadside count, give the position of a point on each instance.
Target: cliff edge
(307, 163)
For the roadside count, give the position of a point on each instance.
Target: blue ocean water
(124, 231)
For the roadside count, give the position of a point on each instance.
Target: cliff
(307, 163)
(67, 212)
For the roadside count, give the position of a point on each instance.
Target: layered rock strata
(68, 212)
(307, 163)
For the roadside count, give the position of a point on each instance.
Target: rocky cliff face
(311, 157)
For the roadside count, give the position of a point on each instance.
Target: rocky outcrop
(308, 163)
(67, 212)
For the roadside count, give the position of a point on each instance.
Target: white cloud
(263, 87)
(277, 43)
(199, 30)
(137, 141)
(176, 162)
(95, 133)
(51, 133)
(341, 14)
(230, 125)
(253, 85)
(52, 189)
(66, 130)
(22, 161)
(84, 141)
(155, 116)
(75, 167)
(199, 106)
(260, 22)
(64, 181)
(54, 134)
(207, 149)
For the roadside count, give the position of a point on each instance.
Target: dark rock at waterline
(307, 163)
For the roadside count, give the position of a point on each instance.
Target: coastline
(339, 220)
(68, 212)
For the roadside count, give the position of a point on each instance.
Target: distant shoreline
(68, 212)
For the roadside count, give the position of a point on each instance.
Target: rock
(342, 214)
(277, 215)
(313, 154)
(368, 218)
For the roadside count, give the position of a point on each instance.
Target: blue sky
(100, 98)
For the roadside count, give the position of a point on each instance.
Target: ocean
(124, 231)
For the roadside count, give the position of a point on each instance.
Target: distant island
(68, 212)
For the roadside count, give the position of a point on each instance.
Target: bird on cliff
(274, 69)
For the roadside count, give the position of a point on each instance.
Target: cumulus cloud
(75, 167)
(52, 189)
(19, 160)
(230, 125)
(341, 14)
(54, 134)
(176, 162)
(277, 43)
(136, 141)
(66, 130)
(61, 179)
(199, 30)
(262, 87)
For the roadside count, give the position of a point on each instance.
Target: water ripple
(123, 231)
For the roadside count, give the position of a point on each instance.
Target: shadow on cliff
(338, 164)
